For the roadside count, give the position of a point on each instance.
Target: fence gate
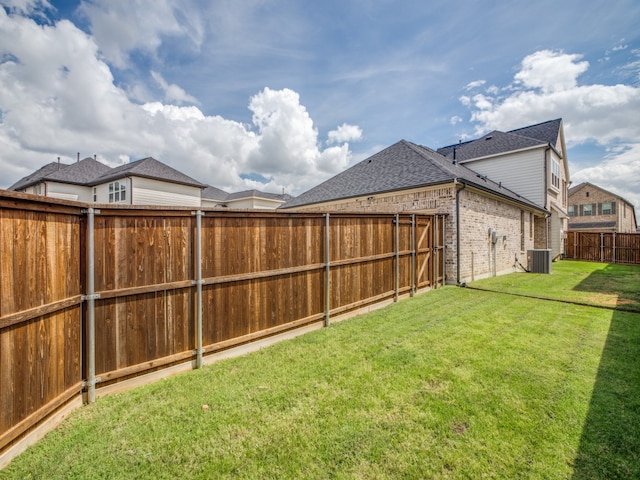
(425, 255)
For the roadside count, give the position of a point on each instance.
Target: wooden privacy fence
(609, 247)
(91, 297)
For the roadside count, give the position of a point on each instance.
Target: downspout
(464, 185)
(546, 195)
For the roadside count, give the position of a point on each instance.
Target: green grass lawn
(454, 383)
(583, 282)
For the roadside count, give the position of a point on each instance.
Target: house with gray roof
(214, 197)
(61, 180)
(531, 161)
(594, 209)
(141, 182)
(503, 194)
(147, 182)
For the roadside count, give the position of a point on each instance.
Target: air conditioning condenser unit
(539, 260)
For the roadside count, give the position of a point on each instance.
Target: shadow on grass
(622, 280)
(610, 442)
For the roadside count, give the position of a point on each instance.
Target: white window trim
(116, 190)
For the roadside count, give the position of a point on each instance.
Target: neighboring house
(61, 180)
(530, 161)
(146, 182)
(592, 208)
(141, 182)
(214, 197)
(409, 177)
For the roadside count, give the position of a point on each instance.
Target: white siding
(521, 172)
(145, 191)
(557, 234)
(68, 191)
(254, 202)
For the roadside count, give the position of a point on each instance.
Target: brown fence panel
(40, 311)
(144, 272)
(606, 247)
(262, 272)
(627, 248)
(362, 251)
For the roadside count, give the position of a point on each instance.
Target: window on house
(555, 174)
(117, 192)
(606, 208)
(95, 194)
(531, 225)
(571, 210)
(522, 230)
(586, 210)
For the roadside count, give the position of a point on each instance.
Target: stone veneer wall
(478, 213)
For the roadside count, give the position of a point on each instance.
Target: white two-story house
(142, 182)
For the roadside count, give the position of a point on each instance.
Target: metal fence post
(198, 272)
(443, 244)
(397, 285)
(327, 276)
(436, 248)
(602, 247)
(91, 310)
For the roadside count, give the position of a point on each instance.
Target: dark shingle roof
(497, 142)
(148, 168)
(258, 194)
(401, 166)
(37, 176)
(546, 131)
(493, 143)
(80, 173)
(213, 193)
(595, 225)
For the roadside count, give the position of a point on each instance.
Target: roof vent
(489, 137)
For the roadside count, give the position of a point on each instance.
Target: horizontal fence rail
(92, 296)
(608, 247)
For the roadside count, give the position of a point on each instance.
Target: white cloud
(618, 173)
(550, 71)
(27, 7)
(602, 113)
(546, 87)
(476, 84)
(173, 92)
(123, 26)
(455, 120)
(344, 133)
(57, 97)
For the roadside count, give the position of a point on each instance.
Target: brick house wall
(479, 213)
(620, 220)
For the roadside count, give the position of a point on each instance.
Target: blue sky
(284, 94)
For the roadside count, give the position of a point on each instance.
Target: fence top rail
(26, 201)
(39, 203)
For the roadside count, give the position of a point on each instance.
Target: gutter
(464, 185)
